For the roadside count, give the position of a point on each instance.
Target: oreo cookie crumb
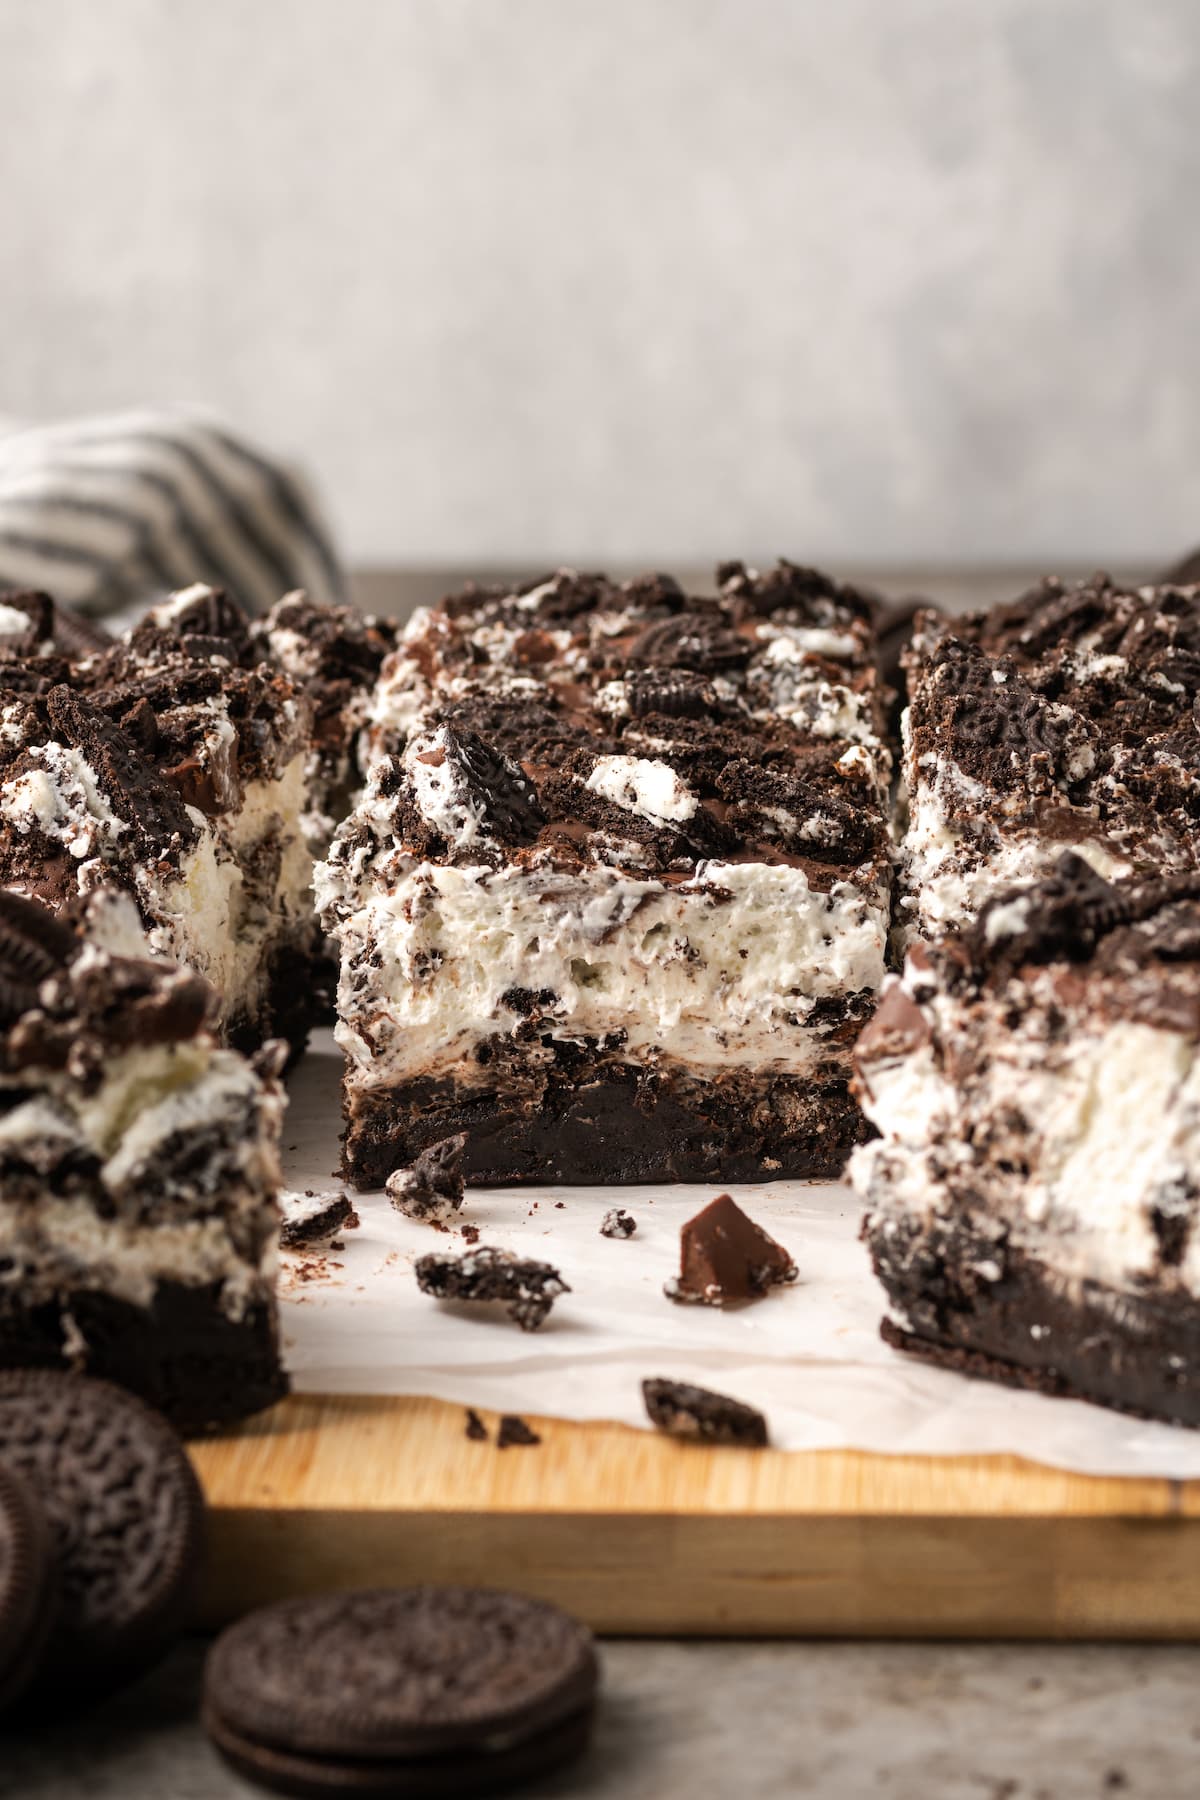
(514, 1430)
(319, 1222)
(470, 1234)
(681, 1410)
(526, 1289)
(432, 1188)
(476, 1430)
(617, 1223)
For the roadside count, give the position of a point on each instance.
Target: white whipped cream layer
(149, 1101)
(1107, 1119)
(723, 970)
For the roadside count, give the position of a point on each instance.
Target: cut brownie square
(1032, 1200)
(174, 765)
(615, 901)
(1061, 722)
(138, 1171)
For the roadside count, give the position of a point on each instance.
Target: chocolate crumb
(514, 1430)
(470, 1234)
(526, 1289)
(617, 1223)
(476, 1430)
(681, 1410)
(724, 1256)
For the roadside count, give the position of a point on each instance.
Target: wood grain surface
(639, 1534)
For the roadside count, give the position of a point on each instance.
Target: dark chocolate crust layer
(1031, 1329)
(182, 1353)
(610, 1123)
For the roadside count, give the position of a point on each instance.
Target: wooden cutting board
(638, 1534)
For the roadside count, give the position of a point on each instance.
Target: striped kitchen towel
(108, 514)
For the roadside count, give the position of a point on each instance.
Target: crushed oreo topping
(684, 1411)
(33, 946)
(617, 1223)
(524, 1288)
(693, 640)
(433, 1188)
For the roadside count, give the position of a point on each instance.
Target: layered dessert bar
(1032, 1200)
(138, 1169)
(334, 655)
(174, 765)
(615, 900)
(1062, 722)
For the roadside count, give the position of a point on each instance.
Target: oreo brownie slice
(138, 1170)
(173, 765)
(615, 900)
(423, 1691)
(1032, 1198)
(1061, 722)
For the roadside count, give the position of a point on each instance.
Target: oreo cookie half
(126, 1515)
(405, 1691)
(28, 1585)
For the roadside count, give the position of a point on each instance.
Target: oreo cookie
(28, 1585)
(126, 1515)
(412, 1691)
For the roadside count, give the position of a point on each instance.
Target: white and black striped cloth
(108, 514)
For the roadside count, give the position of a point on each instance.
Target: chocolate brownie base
(612, 1125)
(1030, 1329)
(182, 1353)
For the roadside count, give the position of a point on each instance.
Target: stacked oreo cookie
(101, 1539)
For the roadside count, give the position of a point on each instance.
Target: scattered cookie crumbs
(470, 1234)
(684, 1411)
(476, 1430)
(617, 1223)
(432, 1188)
(526, 1289)
(514, 1430)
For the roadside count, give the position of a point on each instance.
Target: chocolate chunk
(514, 1430)
(684, 1411)
(433, 1187)
(476, 1430)
(692, 640)
(617, 1223)
(526, 1289)
(315, 1223)
(725, 1256)
(391, 1691)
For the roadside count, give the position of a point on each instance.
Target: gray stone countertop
(703, 1721)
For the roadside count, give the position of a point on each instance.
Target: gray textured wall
(861, 279)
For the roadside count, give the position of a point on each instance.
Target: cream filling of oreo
(725, 970)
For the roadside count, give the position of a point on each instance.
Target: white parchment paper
(809, 1356)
